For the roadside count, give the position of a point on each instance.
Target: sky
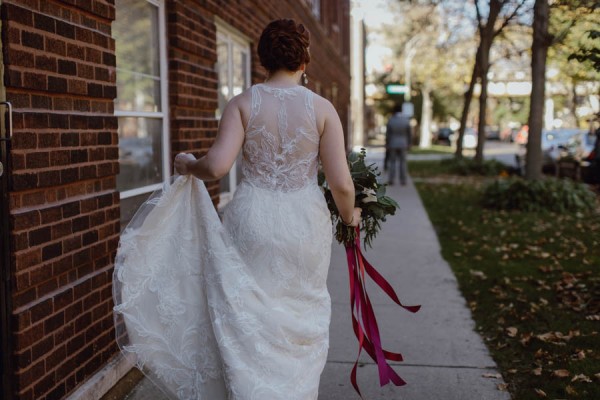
(375, 13)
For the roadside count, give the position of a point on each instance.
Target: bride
(239, 310)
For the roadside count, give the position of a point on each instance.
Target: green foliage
(576, 49)
(542, 195)
(589, 54)
(370, 196)
(468, 166)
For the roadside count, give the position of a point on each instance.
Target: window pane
(223, 68)
(137, 51)
(140, 152)
(240, 60)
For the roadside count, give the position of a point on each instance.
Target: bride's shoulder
(324, 110)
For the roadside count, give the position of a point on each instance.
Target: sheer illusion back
(282, 141)
(239, 309)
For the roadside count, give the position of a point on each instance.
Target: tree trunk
(426, 115)
(574, 103)
(467, 105)
(539, 52)
(484, 67)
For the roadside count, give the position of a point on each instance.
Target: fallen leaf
(503, 387)
(513, 371)
(512, 331)
(537, 371)
(595, 317)
(477, 274)
(597, 376)
(495, 376)
(570, 390)
(581, 378)
(526, 338)
(561, 373)
(540, 393)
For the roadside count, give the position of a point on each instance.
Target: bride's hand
(356, 217)
(182, 163)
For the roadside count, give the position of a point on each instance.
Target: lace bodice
(281, 147)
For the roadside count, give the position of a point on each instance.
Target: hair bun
(284, 44)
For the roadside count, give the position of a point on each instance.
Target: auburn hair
(284, 44)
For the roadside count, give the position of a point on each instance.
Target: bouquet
(370, 196)
(376, 206)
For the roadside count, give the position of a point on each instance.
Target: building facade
(104, 93)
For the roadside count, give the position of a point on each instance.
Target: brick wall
(192, 56)
(64, 210)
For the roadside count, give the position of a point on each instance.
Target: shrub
(558, 195)
(468, 166)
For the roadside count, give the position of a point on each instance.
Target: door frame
(5, 269)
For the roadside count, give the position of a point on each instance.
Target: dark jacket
(398, 132)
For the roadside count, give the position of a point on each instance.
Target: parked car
(492, 133)
(470, 139)
(444, 135)
(560, 143)
(590, 163)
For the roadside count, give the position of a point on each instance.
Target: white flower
(371, 196)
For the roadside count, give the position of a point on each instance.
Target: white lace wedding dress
(237, 310)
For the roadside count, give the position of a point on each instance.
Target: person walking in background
(398, 140)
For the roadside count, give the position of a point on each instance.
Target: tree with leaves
(555, 26)
(426, 42)
(539, 52)
(491, 20)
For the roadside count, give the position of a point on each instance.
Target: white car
(470, 139)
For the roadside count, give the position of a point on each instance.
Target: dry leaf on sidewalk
(503, 387)
(496, 376)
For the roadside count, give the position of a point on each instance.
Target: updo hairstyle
(284, 45)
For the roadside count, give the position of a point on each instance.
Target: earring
(304, 79)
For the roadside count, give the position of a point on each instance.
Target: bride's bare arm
(221, 156)
(333, 158)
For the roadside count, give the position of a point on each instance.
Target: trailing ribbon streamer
(367, 333)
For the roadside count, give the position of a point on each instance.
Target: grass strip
(532, 281)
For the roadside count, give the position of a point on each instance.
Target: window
(141, 104)
(233, 66)
(315, 7)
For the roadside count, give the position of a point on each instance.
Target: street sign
(395, 88)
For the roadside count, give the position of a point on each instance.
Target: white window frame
(164, 106)
(233, 39)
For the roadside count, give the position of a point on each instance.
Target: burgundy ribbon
(367, 333)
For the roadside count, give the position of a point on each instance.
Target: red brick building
(104, 93)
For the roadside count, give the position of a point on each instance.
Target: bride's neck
(283, 78)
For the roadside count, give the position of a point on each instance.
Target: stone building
(104, 93)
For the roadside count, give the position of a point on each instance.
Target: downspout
(5, 284)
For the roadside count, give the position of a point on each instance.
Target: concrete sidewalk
(444, 358)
